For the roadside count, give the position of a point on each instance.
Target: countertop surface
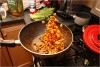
(11, 19)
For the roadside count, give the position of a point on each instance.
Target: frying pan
(32, 31)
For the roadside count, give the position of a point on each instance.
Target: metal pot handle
(9, 43)
(84, 27)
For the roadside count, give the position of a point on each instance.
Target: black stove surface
(77, 55)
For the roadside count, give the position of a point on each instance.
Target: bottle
(15, 7)
(55, 5)
(32, 6)
(2, 12)
(5, 6)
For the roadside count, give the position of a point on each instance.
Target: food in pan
(53, 40)
(43, 22)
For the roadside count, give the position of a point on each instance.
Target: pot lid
(91, 37)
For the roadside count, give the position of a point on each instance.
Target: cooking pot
(91, 37)
(82, 18)
(32, 31)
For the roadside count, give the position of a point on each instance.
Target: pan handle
(9, 43)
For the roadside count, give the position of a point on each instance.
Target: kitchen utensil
(82, 18)
(91, 37)
(32, 31)
(70, 7)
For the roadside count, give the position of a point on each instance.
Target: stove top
(77, 55)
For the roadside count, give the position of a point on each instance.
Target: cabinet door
(4, 56)
(19, 56)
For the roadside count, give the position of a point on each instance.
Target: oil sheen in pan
(37, 41)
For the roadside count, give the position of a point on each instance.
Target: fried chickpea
(52, 38)
(61, 25)
(43, 22)
(54, 14)
(56, 20)
(34, 43)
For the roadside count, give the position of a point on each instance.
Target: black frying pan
(32, 31)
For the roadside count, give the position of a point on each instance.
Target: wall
(88, 3)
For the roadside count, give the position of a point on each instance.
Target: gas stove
(77, 55)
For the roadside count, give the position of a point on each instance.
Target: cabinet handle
(5, 35)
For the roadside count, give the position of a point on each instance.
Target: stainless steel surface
(82, 18)
(17, 41)
(69, 6)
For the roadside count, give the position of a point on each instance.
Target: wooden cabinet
(19, 56)
(4, 55)
(0, 34)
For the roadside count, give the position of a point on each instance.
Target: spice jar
(15, 7)
(32, 6)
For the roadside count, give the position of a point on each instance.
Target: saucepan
(91, 37)
(82, 18)
(31, 31)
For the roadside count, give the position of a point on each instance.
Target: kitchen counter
(11, 19)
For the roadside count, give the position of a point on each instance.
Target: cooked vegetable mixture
(52, 38)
